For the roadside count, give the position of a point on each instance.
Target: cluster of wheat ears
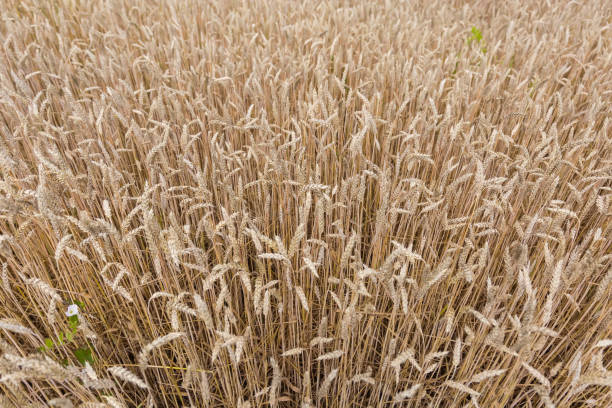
(305, 204)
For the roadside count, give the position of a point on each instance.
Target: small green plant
(476, 36)
(82, 354)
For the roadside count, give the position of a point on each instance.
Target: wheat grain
(293, 352)
(300, 293)
(324, 387)
(539, 376)
(60, 403)
(407, 394)
(143, 356)
(486, 375)
(14, 327)
(331, 355)
(125, 375)
(462, 388)
(276, 379)
(457, 352)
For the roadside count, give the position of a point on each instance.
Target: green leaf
(443, 310)
(83, 355)
(73, 321)
(80, 304)
(48, 343)
(60, 338)
(476, 34)
(70, 335)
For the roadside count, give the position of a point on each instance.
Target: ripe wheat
(251, 203)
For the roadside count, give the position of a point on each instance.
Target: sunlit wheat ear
(407, 394)
(348, 249)
(538, 375)
(486, 375)
(554, 287)
(143, 356)
(203, 311)
(113, 402)
(407, 355)
(462, 388)
(33, 367)
(293, 352)
(61, 247)
(604, 284)
(300, 233)
(59, 403)
(323, 390)
(364, 377)
(302, 297)
(50, 292)
(275, 384)
(205, 388)
(306, 391)
(125, 375)
(331, 355)
(114, 283)
(14, 327)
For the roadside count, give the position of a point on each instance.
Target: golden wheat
(339, 203)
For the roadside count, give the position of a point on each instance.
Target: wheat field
(279, 203)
